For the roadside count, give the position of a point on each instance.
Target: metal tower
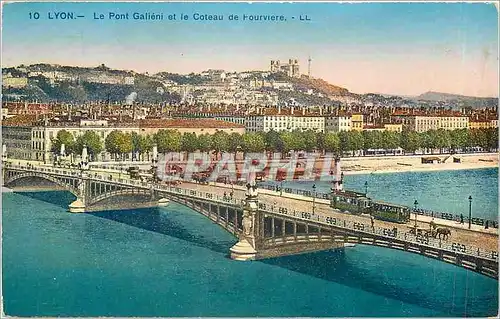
(309, 66)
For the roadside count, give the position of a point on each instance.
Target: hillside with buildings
(282, 84)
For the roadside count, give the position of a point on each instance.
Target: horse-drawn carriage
(433, 231)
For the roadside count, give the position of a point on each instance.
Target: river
(173, 261)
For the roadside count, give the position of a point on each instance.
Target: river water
(173, 262)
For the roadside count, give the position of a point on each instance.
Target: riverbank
(397, 164)
(374, 164)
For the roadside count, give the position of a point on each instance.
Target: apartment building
(338, 123)
(357, 121)
(425, 123)
(284, 119)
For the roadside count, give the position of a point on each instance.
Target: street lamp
(366, 188)
(314, 197)
(416, 205)
(281, 188)
(470, 210)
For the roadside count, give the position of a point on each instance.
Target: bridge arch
(229, 221)
(54, 180)
(118, 193)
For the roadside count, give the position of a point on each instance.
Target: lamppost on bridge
(366, 188)
(84, 161)
(154, 163)
(415, 209)
(470, 210)
(314, 197)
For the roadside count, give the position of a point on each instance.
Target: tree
(320, 141)
(298, 141)
(66, 138)
(189, 142)
(345, 143)
(332, 143)
(390, 140)
(368, 140)
(118, 143)
(204, 143)
(492, 137)
(460, 138)
(234, 142)
(355, 141)
(141, 143)
(428, 140)
(410, 141)
(377, 138)
(111, 142)
(220, 142)
(168, 141)
(455, 137)
(309, 140)
(253, 142)
(287, 141)
(442, 139)
(93, 142)
(273, 142)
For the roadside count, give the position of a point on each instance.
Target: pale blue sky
(401, 48)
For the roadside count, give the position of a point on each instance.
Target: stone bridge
(262, 231)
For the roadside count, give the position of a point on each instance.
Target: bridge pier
(244, 249)
(78, 206)
(163, 202)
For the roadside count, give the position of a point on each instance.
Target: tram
(359, 203)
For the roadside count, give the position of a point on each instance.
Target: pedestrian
(372, 221)
(231, 194)
(486, 225)
(461, 219)
(395, 231)
(225, 195)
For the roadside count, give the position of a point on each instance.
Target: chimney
(279, 108)
(303, 111)
(291, 110)
(320, 110)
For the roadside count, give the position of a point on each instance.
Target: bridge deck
(486, 241)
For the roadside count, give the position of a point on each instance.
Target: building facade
(17, 140)
(338, 123)
(357, 121)
(197, 126)
(419, 123)
(265, 120)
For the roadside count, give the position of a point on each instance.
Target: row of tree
(118, 143)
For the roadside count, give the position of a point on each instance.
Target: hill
(305, 83)
(319, 85)
(458, 101)
(80, 84)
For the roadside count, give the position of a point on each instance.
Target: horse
(442, 231)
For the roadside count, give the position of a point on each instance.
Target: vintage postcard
(217, 159)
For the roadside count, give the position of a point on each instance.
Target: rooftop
(187, 123)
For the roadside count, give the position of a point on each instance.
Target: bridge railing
(383, 232)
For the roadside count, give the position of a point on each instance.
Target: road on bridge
(484, 240)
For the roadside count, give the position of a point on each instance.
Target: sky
(392, 48)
